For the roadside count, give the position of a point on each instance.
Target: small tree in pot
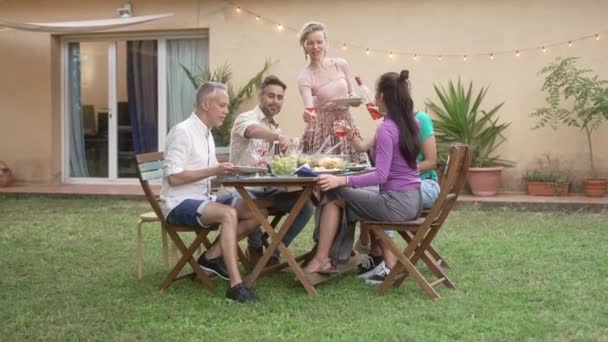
(460, 119)
(575, 99)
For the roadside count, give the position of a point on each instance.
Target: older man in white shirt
(260, 123)
(185, 193)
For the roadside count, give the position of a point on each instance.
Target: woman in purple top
(348, 199)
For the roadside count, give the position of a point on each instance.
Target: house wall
(30, 100)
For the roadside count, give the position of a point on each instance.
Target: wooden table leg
(277, 238)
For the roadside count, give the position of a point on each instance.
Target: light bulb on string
(544, 49)
(570, 44)
(517, 53)
(279, 27)
(390, 55)
(597, 36)
(367, 52)
(491, 55)
(257, 18)
(415, 57)
(439, 58)
(464, 58)
(238, 9)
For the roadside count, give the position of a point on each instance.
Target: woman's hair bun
(404, 75)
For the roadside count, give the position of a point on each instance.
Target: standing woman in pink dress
(323, 80)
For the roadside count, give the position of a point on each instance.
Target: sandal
(322, 270)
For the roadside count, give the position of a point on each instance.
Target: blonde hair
(309, 28)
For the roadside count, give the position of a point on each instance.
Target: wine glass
(341, 133)
(313, 110)
(295, 147)
(258, 149)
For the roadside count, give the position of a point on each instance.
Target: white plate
(251, 169)
(347, 101)
(327, 171)
(358, 167)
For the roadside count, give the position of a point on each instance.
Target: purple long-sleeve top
(392, 171)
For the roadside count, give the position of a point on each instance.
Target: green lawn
(68, 273)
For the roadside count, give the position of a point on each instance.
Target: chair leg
(199, 250)
(439, 261)
(140, 252)
(402, 261)
(165, 246)
(187, 258)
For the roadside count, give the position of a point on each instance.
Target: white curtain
(192, 54)
(78, 161)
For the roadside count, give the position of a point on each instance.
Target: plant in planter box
(237, 96)
(575, 99)
(548, 179)
(460, 119)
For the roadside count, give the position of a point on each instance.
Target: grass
(68, 273)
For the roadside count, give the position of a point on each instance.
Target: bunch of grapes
(283, 166)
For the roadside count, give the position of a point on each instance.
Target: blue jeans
(284, 205)
(430, 191)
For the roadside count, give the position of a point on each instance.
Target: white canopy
(83, 25)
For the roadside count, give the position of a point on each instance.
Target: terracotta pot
(6, 175)
(595, 187)
(484, 181)
(548, 189)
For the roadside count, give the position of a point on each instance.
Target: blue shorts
(188, 212)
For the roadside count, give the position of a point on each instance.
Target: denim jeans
(255, 239)
(430, 191)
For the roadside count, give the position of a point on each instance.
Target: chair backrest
(454, 179)
(150, 167)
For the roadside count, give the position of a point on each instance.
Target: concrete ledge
(519, 201)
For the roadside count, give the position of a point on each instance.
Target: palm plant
(460, 120)
(237, 96)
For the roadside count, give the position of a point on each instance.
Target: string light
(393, 54)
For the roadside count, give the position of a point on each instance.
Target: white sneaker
(370, 266)
(379, 277)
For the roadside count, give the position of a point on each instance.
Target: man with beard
(260, 123)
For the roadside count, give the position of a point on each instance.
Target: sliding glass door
(122, 97)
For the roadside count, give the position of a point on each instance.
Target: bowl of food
(283, 166)
(332, 161)
(309, 159)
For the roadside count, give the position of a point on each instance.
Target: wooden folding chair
(150, 167)
(420, 233)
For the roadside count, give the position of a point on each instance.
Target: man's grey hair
(206, 90)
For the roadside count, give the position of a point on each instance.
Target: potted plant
(237, 96)
(548, 179)
(575, 99)
(459, 119)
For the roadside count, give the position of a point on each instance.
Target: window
(121, 96)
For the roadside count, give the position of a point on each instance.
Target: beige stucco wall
(29, 105)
